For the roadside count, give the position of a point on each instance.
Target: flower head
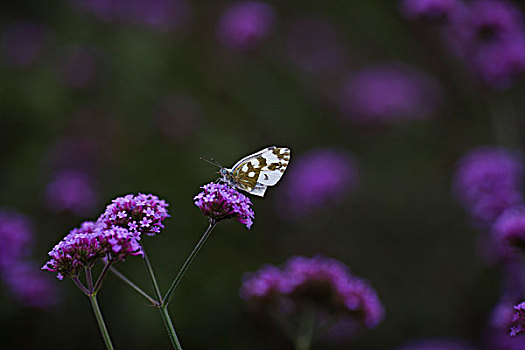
(335, 176)
(16, 237)
(29, 286)
(141, 214)
(509, 231)
(244, 25)
(518, 320)
(327, 283)
(119, 242)
(79, 249)
(71, 191)
(389, 92)
(221, 202)
(488, 181)
(428, 9)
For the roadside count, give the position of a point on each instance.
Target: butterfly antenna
(212, 162)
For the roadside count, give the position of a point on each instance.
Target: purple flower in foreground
(336, 175)
(71, 191)
(30, 287)
(428, 9)
(141, 214)
(327, 283)
(518, 320)
(436, 344)
(119, 242)
(509, 231)
(488, 181)
(79, 249)
(23, 42)
(244, 25)
(389, 92)
(16, 237)
(221, 202)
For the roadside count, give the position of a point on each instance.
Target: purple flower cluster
(327, 283)
(389, 92)
(509, 231)
(428, 9)
(141, 214)
(489, 35)
(114, 236)
(437, 344)
(161, 15)
(71, 191)
(221, 202)
(518, 320)
(488, 181)
(245, 25)
(19, 273)
(335, 176)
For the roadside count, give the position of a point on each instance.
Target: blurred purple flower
(79, 249)
(245, 25)
(327, 283)
(16, 238)
(140, 214)
(179, 117)
(221, 202)
(72, 191)
(22, 42)
(509, 231)
(389, 92)
(518, 320)
(436, 344)
(488, 181)
(428, 9)
(79, 68)
(161, 15)
(499, 339)
(501, 63)
(30, 287)
(318, 178)
(314, 46)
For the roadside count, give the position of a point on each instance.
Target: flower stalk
(100, 321)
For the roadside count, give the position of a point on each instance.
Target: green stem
(80, 285)
(101, 277)
(89, 279)
(163, 310)
(187, 263)
(134, 286)
(169, 327)
(306, 330)
(100, 321)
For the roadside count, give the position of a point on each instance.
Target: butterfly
(254, 173)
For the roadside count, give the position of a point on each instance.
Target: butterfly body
(254, 173)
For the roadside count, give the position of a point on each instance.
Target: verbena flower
(509, 231)
(23, 42)
(336, 176)
(119, 242)
(16, 237)
(71, 191)
(221, 202)
(325, 283)
(29, 286)
(487, 181)
(518, 320)
(140, 214)
(389, 92)
(428, 9)
(79, 249)
(313, 45)
(245, 25)
(436, 344)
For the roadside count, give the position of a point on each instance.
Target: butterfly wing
(265, 168)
